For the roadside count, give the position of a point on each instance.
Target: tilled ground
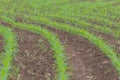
(35, 58)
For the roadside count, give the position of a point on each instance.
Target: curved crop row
(87, 9)
(87, 25)
(61, 65)
(96, 10)
(107, 50)
(92, 19)
(10, 48)
(90, 9)
(95, 16)
(81, 24)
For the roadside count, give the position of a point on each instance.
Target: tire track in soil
(87, 61)
(35, 58)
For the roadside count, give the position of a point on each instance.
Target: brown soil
(86, 60)
(34, 59)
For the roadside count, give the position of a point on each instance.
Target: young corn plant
(7, 56)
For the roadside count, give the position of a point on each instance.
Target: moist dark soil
(34, 60)
(87, 62)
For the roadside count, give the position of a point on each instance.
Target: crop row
(92, 19)
(10, 48)
(92, 38)
(77, 23)
(87, 8)
(82, 16)
(61, 65)
(107, 50)
(90, 13)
